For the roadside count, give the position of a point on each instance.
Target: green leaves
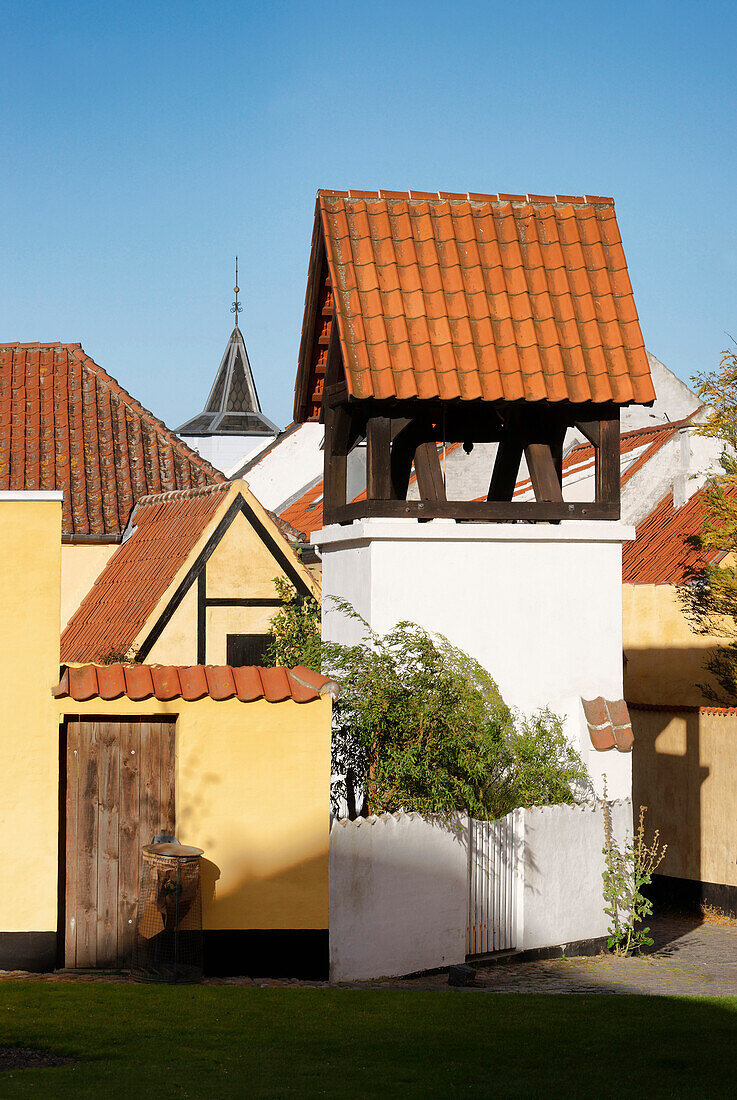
(422, 726)
(627, 871)
(709, 595)
(295, 630)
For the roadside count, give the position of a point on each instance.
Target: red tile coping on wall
(66, 424)
(610, 726)
(247, 683)
(474, 298)
(673, 708)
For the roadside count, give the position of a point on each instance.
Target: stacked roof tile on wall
(66, 424)
(478, 297)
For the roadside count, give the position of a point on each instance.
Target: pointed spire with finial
(232, 407)
(236, 307)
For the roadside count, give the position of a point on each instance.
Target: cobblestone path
(689, 958)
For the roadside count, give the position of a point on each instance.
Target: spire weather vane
(236, 307)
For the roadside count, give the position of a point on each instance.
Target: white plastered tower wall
(538, 605)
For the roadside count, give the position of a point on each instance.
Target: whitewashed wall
(538, 604)
(398, 896)
(561, 895)
(399, 887)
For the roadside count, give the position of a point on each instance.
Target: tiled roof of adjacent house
(248, 683)
(65, 424)
(660, 553)
(477, 297)
(164, 530)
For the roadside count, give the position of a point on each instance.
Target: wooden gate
(119, 794)
(492, 885)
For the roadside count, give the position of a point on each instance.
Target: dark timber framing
(401, 435)
(198, 574)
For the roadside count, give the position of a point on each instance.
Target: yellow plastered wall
(177, 644)
(81, 565)
(685, 772)
(665, 658)
(30, 551)
(240, 567)
(252, 790)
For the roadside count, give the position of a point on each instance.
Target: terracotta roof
(660, 553)
(477, 297)
(609, 724)
(66, 424)
(305, 513)
(246, 683)
(164, 530)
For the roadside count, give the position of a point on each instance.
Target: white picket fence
(409, 893)
(493, 862)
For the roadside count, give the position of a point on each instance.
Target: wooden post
(506, 469)
(429, 474)
(543, 474)
(337, 432)
(378, 458)
(607, 463)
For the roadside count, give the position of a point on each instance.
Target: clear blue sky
(144, 144)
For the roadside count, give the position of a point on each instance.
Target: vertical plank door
(119, 795)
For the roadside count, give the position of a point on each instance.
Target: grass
(225, 1041)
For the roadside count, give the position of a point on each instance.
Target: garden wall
(398, 895)
(399, 886)
(561, 899)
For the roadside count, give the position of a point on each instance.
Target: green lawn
(134, 1041)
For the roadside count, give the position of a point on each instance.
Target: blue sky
(144, 144)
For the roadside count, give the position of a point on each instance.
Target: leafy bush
(295, 630)
(420, 725)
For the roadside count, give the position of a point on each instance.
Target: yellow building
(192, 583)
(112, 525)
(665, 658)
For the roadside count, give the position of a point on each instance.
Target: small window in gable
(247, 649)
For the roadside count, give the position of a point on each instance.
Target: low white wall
(399, 887)
(560, 899)
(398, 895)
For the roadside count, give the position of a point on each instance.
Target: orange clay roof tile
(66, 424)
(218, 682)
(535, 272)
(164, 530)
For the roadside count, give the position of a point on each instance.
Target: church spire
(232, 407)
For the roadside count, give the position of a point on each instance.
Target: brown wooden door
(119, 794)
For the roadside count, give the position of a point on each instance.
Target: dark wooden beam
(493, 511)
(338, 423)
(506, 469)
(429, 474)
(378, 458)
(590, 429)
(607, 464)
(541, 466)
(403, 450)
